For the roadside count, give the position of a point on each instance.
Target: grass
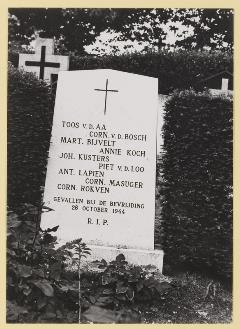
(196, 299)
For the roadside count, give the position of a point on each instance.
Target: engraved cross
(106, 90)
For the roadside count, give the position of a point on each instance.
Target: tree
(72, 28)
(203, 27)
(212, 28)
(143, 25)
(75, 28)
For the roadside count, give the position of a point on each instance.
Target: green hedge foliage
(29, 127)
(197, 187)
(175, 70)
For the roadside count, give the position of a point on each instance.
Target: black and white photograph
(120, 165)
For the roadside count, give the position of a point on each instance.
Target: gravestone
(44, 63)
(220, 83)
(224, 88)
(102, 164)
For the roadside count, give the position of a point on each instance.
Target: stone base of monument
(132, 256)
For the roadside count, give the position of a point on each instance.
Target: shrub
(197, 186)
(29, 127)
(40, 289)
(180, 69)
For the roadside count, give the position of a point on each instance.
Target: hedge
(29, 127)
(197, 186)
(175, 70)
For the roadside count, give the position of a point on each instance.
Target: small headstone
(44, 63)
(220, 83)
(224, 88)
(102, 163)
(224, 84)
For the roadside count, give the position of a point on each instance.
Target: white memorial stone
(44, 63)
(102, 163)
(224, 89)
(224, 84)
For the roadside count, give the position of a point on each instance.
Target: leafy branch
(80, 250)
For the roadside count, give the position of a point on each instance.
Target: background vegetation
(30, 109)
(197, 181)
(174, 70)
(74, 29)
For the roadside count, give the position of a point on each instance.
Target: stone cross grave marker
(102, 164)
(44, 63)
